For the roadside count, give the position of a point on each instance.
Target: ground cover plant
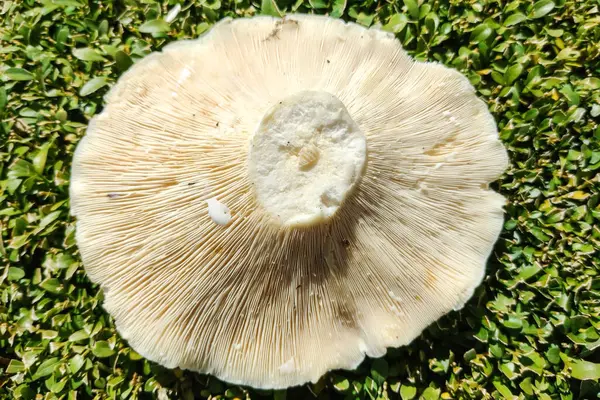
(530, 331)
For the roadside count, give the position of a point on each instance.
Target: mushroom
(281, 197)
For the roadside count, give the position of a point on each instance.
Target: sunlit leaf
(93, 85)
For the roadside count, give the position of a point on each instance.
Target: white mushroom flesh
(305, 157)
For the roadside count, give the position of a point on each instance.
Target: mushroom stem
(305, 158)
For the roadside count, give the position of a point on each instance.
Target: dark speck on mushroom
(328, 61)
(191, 183)
(113, 195)
(345, 242)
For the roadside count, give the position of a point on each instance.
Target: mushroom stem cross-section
(305, 158)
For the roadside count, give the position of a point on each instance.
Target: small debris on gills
(218, 212)
(287, 367)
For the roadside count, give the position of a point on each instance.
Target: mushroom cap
(198, 275)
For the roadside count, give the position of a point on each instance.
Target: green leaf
(339, 6)
(432, 21)
(15, 273)
(123, 61)
(79, 335)
(155, 26)
(18, 241)
(512, 73)
(317, 4)
(39, 161)
(481, 33)
(570, 94)
(553, 355)
(413, 8)
(365, 19)
(234, 393)
(93, 85)
(568, 54)
(64, 3)
(340, 383)
(396, 23)
(102, 349)
(577, 195)
(541, 8)
(62, 37)
(2, 248)
(269, 7)
(202, 27)
(510, 224)
(48, 219)
(3, 98)
(513, 322)
(527, 386)
(408, 392)
(103, 28)
(380, 370)
(584, 370)
(496, 350)
(22, 169)
(515, 19)
(431, 394)
(528, 271)
(470, 355)
(539, 234)
(58, 386)
(24, 392)
(370, 386)
(52, 285)
(46, 368)
(134, 355)
(508, 369)
(15, 366)
(591, 83)
(556, 216)
(504, 390)
(87, 54)
(18, 74)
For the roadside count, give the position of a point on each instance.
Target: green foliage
(531, 330)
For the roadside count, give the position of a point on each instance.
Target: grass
(530, 332)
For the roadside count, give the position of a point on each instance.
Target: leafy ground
(531, 330)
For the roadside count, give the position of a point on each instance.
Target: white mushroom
(310, 195)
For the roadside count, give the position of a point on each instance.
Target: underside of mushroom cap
(244, 297)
